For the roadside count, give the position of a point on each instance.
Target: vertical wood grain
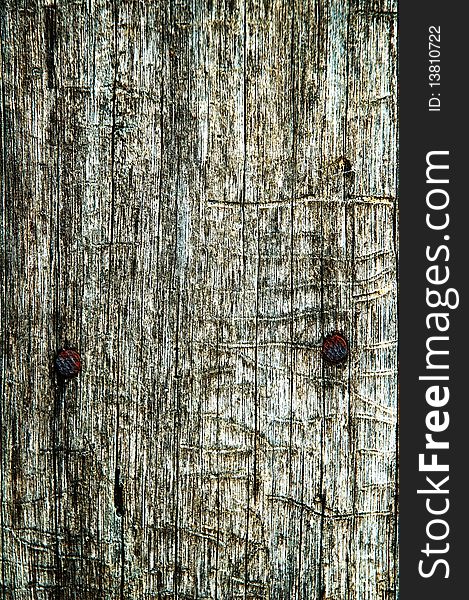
(194, 194)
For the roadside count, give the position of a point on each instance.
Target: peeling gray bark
(194, 195)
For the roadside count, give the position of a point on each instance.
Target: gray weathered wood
(194, 194)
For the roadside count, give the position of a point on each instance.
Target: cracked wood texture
(194, 195)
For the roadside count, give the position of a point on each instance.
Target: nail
(335, 348)
(67, 363)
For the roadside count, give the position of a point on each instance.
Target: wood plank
(194, 195)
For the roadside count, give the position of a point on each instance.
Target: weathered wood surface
(194, 194)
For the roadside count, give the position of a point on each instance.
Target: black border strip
(423, 131)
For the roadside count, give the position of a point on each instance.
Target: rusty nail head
(335, 348)
(67, 363)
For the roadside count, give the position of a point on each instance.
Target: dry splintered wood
(194, 195)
